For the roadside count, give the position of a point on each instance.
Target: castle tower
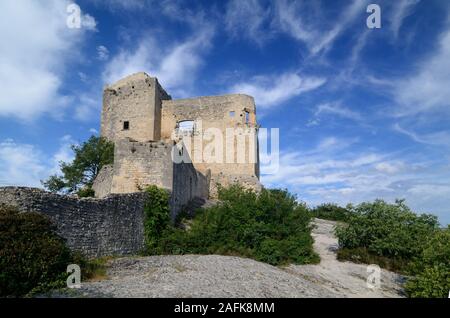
(132, 109)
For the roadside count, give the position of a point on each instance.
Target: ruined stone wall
(140, 164)
(188, 184)
(95, 227)
(103, 182)
(246, 181)
(136, 100)
(217, 112)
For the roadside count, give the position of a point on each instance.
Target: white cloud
(289, 19)
(27, 165)
(401, 10)
(102, 53)
(337, 109)
(348, 15)
(440, 138)
(87, 107)
(427, 91)
(175, 65)
(304, 21)
(247, 19)
(308, 25)
(270, 91)
(118, 5)
(388, 167)
(20, 164)
(347, 175)
(88, 22)
(39, 44)
(63, 154)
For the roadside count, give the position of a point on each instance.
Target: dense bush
(432, 268)
(330, 211)
(271, 227)
(32, 256)
(394, 237)
(157, 217)
(387, 230)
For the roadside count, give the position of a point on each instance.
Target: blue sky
(363, 113)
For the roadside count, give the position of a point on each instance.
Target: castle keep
(187, 146)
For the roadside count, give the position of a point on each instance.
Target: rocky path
(344, 278)
(225, 276)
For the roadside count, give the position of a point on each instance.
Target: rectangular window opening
(126, 125)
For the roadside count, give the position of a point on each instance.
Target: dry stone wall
(95, 227)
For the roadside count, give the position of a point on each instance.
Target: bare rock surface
(227, 276)
(347, 279)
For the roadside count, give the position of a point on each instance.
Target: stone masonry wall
(140, 164)
(236, 111)
(95, 227)
(135, 99)
(103, 181)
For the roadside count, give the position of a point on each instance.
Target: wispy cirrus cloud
(270, 91)
(342, 175)
(439, 138)
(336, 109)
(400, 11)
(302, 20)
(426, 90)
(248, 19)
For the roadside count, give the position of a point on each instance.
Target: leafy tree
(79, 175)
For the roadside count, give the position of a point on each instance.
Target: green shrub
(388, 230)
(330, 211)
(432, 268)
(86, 192)
(157, 217)
(394, 237)
(271, 227)
(32, 256)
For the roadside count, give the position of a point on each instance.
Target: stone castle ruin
(187, 146)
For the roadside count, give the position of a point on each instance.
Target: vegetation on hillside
(271, 227)
(33, 258)
(396, 238)
(431, 268)
(330, 211)
(78, 176)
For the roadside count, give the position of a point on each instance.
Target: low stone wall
(96, 227)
